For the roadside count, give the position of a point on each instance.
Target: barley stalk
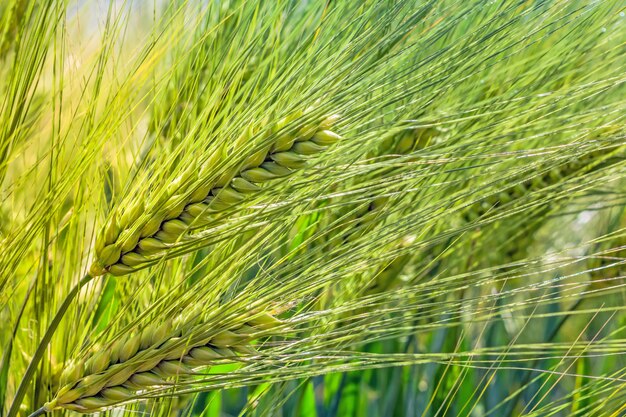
(154, 357)
(141, 234)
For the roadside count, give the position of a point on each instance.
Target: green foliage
(460, 251)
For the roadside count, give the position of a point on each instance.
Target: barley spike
(140, 235)
(156, 356)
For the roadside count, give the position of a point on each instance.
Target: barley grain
(155, 357)
(141, 234)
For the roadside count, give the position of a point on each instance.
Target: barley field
(316, 208)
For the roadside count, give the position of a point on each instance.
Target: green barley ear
(405, 142)
(138, 236)
(157, 356)
(409, 139)
(488, 207)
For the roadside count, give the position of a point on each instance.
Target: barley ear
(143, 233)
(155, 357)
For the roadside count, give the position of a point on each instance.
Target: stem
(334, 405)
(526, 380)
(43, 345)
(38, 412)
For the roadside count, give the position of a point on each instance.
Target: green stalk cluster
(12, 15)
(144, 232)
(153, 358)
